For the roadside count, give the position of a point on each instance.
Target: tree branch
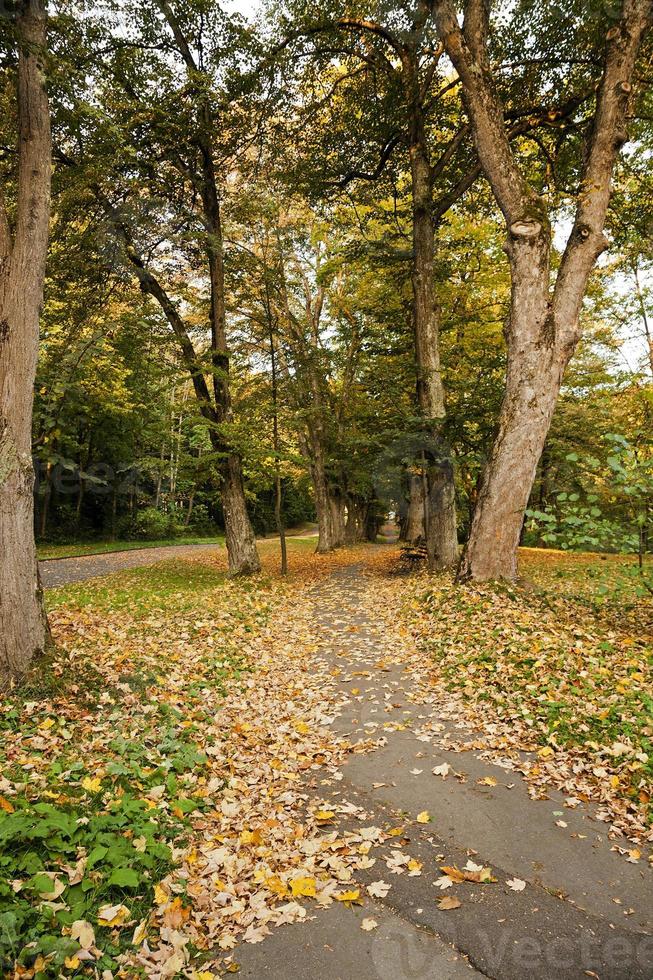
(587, 241)
(468, 51)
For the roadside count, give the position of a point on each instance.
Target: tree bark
(337, 507)
(23, 624)
(325, 539)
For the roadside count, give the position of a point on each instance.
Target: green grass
(80, 548)
(165, 587)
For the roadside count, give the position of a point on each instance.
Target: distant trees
(24, 219)
(276, 261)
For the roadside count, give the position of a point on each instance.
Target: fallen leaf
(368, 924)
(516, 884)
(378, 889)
(487, 781)
(449, 902)
(112, 915)
(83, 933)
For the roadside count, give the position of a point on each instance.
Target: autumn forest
(326, 488)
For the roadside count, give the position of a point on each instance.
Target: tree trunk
(23, 625)
(337, 507)
(533, 385)
(415, 518)
(45, 502)
(241, 543)
(440, 512)
(189, 512)
(325, 540)
(543, 328)
(536, 362)
(355, 525)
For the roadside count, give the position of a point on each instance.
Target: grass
(79, 549)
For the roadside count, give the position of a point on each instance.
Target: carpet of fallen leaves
(559, 665)
(150, 799)
(153, 805)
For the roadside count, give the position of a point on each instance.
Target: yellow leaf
(453, 872)
(161, 895)
(614, 782)
(139, 932)
(546, 752)
(112, 915)
(324, 816)
(395, 832)
(92, 785)
(302, 728)
(303, 886)
(424, 817)
(276, 885)
(71, 962)
(6, 805)
(349, 898)
(487, 781)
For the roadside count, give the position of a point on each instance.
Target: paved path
(62, 571)
(584, 910)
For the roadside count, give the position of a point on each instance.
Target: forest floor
(419, 779)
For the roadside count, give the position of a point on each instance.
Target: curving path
(63, 571)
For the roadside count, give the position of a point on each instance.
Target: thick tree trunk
(543, 328)
(337, 506)
(414, 532)
(322, 510)
(356, 519)
(533, 385)
(23, 625)
(440, 512)
(536, 362)
(241, 543)
(312, 450)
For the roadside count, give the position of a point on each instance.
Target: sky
(246, 7)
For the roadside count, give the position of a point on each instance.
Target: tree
(400, 49)
(543, 328)
(23, 248)
(163, 92)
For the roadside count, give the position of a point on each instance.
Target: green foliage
(610, 511)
